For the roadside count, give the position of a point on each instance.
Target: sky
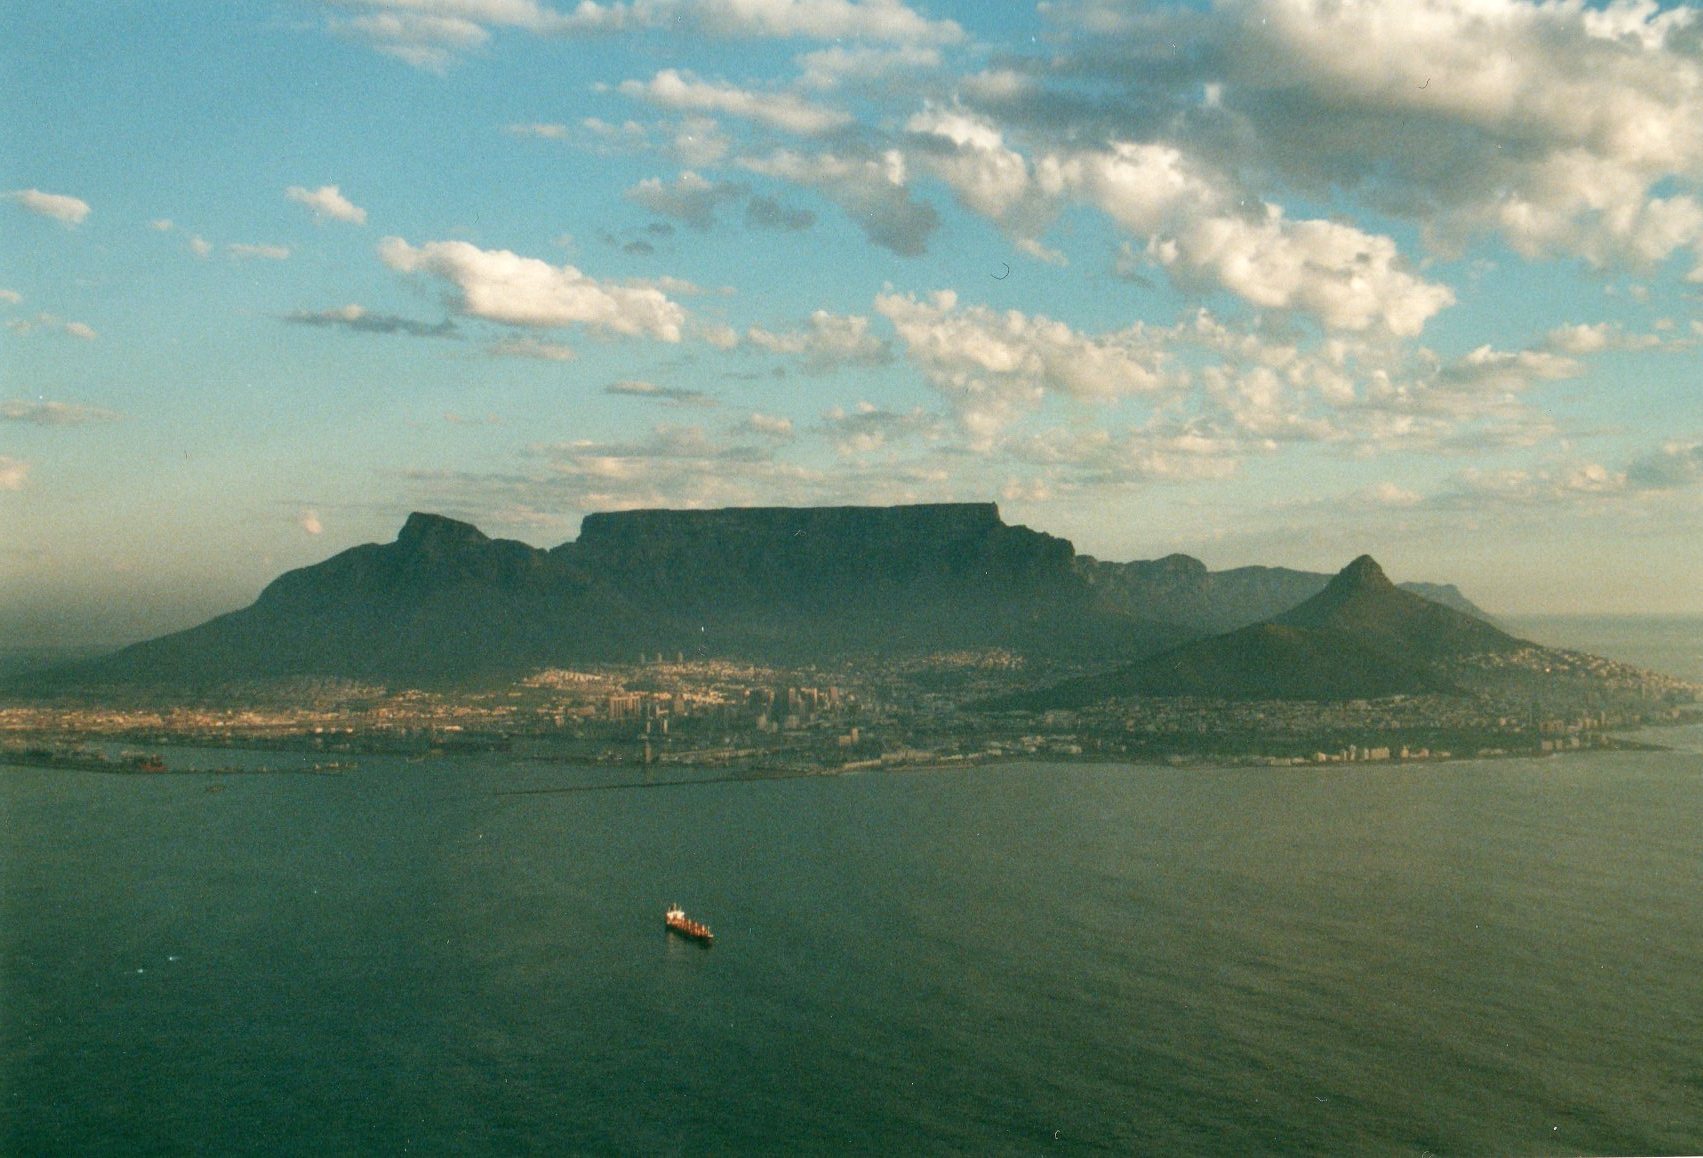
(1261, 281)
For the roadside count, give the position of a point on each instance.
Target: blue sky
(1265, 281)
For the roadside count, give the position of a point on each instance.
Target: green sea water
(1501, 957)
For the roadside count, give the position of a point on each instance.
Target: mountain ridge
(1359, 638)
(446, 602)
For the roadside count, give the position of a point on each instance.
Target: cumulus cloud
(360, 320)
(689, 198)
(14, 472)
(682, 92)
(1597, 337)
(871, 190)
(829, 342)
(994, 366)
(501, 286)
(10, 297)
(969, 154)
(677, 395)
(68, 211)
(327, 203)
(309, 522)
(54, 413)
(1347, 278)
(1568, 141)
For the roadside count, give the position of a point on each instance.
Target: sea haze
(1671, 644)
(1477, 957)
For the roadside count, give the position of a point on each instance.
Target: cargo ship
(677, 921)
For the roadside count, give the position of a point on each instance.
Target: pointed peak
(1362, 574)
(423, 528)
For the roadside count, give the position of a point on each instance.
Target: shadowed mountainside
(446, 604)
(1359, 638)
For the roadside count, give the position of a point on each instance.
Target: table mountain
(446, 604)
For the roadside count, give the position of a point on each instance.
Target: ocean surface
(1496, 957)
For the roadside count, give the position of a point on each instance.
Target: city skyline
(1262, 282)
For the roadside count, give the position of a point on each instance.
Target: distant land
(444, 604)
(1359, 638)
(759, 642)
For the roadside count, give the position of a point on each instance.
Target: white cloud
(831, 342)
(425, 40)
(1594, 338)
(13, 473)
(1034, 249)
(53, 323)
(1553, 123)
(971, 156)
(544, 131)
(832, 68)
(699, 141)
(242, 252)
(890, 21)
(10, 296)
(770, 426)
(1143, 186)
(309, 522)
(501, 286)
(1347, 278)
(683, 92)
(1538, 486)
(431, 34)
(718, 334)
(68, 211)
(327, 202)
(994, 366)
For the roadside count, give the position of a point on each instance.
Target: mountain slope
(1359, 638)
(445, 603)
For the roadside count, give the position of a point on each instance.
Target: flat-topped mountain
(1361, 637)
(445, 603)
